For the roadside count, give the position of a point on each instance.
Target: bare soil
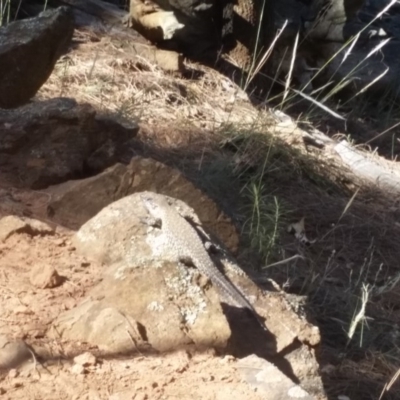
(27, 312)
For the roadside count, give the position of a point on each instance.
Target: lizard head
(152, 205)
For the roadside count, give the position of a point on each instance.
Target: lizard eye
(151, 203)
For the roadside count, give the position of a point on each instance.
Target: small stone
(38, 227)
(78, 369)
(59, 242)
(85, 359)
(141, 396)
(123, 395)
(45, 276)
(12, 353)
(227, 359)
(16, 384)
(13, 373)
(297, 392)
(21, 310)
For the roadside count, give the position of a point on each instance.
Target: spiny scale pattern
(186, 243)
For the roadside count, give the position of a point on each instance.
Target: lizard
(187, 244)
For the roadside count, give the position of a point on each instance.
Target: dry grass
(113, 78)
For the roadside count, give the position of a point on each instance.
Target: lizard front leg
(190, 215)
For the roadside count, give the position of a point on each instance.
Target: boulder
(29, 50)
(144, 302)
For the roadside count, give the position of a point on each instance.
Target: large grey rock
(29, 50)
(146, 299)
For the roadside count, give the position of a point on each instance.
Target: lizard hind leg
(151, 221)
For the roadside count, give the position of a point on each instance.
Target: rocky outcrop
(29, 50)
(197, 29)
(47, 142)
(148, 300)
(202, 29)
(152, 22)
(75, 202)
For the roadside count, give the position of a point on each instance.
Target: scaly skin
(186, 244)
